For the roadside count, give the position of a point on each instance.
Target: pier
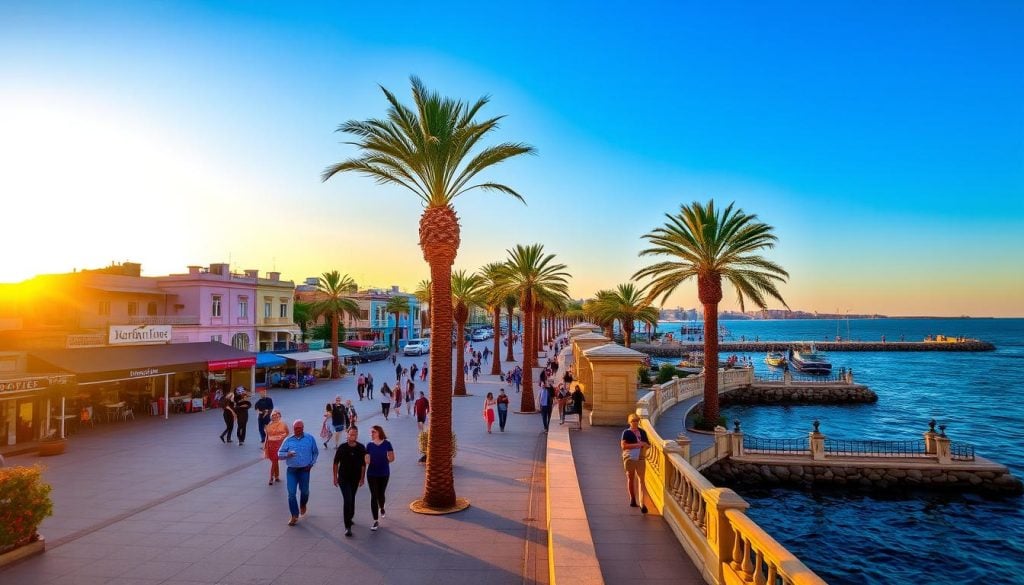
(678, 348)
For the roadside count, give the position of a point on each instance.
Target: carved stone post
(942, 446)
(929, 438)
(684, 445)
(817, 443)
(720, 533)
(736, 440)
(721, 442)
(787, 378)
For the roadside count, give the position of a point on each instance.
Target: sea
(900, 537)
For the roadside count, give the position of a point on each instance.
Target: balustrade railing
(757, 558)
(795, 446)
(961, 452)
(874, 448)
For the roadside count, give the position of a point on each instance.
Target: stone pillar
(721, 442)
(942, 447)
(720, 533)
(817, 443)
(929, 438)
(614, 383)
(787, 378)
(736, 440)
(684, 445)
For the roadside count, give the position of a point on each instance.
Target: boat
(694, 363)
(809, 361)
(776, 359)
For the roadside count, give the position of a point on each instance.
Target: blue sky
(884, 143)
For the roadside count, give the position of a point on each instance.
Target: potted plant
(51, 444)
(24, 504)
(424, 439)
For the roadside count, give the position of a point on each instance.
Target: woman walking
(562, 396)
(379, 457)
(385, 400)
(227, 402)
(502, 404)
(489, 410)
(277, 432)
(410, 395)
(397, 399)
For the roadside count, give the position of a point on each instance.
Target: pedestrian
(502, 404)
(361, 386)
(578, 399)
(300, 454)
(242, 406)
(379, 457)
(489, 411)
(228, 411)
(567, 378)
(422, 409)
(277, 432)
(349, 474)
(561, 397)
(423, 372)
(398, 375)
(396, 399)
(410, 395)
(353, 418)
(325, 427)
(339, 419)
(517, 378)
(369, 386)
(264, 407)
(412, 371)
(476, 373)
(633, 443)
(546, 399)
(385, 400)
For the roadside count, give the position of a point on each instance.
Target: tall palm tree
(711, 245)
(494, 299)
(334, 289)
(301, 316)
(591, 307)
(511, 301)
(432, 150)
(533, 276)
(627, 304)
(422, 293)
(467, 292)
(397, 305)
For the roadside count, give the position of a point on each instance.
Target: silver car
(417, 347)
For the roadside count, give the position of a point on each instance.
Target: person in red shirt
(422, 408)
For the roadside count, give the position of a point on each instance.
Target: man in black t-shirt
(242, 406)
(349, 474)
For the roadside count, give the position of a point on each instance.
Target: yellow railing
(724, 544)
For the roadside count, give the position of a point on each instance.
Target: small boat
(809, 361)
(775, 359)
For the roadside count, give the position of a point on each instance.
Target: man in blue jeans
(546, 398)
(300, 453)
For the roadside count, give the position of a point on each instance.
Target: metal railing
(874, 448)
(801, 445)
(961, 452)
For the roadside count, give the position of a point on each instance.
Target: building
(374, 323)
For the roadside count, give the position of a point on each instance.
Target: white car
(479, 335)
(417, 347)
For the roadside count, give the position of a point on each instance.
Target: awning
(307, 356)
(98, 364)
(360, 343)
(265, 359)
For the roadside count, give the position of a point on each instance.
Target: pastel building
(374, 322)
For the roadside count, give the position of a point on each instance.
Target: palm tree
(533, 276)
(627, 305)
(397, 305)
(422, 293)
(712, 245)
(494, 299)
(511, 301)
(301, 315)
(467, 291)
(333, 302)
(428, 150)
(591, 307)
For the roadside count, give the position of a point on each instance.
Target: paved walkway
(166, 502)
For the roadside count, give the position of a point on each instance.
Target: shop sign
(139, 334)
(231, 364)
(33, 383)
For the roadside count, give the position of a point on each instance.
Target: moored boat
(776, 359)
(809, 361)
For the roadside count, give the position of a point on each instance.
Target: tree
(432, 150)
(511, 301)
(627, 304)
(333, 302)
(422, 293)
(711, 245)
(301, 314)
(494, 298)
(397, 305)
(467, 292)
(533, 276)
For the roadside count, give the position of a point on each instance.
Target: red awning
(358, 343)
(216, 366)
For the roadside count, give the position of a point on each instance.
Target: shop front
(304, 367)
(31, 407)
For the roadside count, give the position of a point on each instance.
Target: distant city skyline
(883, 143)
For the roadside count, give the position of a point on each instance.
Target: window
(284, 309)
(364, 314)
(240, 341)
(268, 309)
(104, 308)
(151, 308)
(215, 338)
(133, 309)
(215, 309)
(243, 307)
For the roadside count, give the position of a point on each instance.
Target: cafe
(30, 407)
(120, 383)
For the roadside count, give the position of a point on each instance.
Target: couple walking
(354, 464)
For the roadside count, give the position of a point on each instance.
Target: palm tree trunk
(526, 402)
(709, 291)
(335, 367)
(439, 481)
(627, 333)
(496, 362)
(460, 357)
(509, 357)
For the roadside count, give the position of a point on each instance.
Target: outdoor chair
(127, 413)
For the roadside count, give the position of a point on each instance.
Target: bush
(425, 438)
(24, 504)
(665, 373)
(645, 375)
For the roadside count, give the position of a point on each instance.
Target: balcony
(277, 321)
(164, 320)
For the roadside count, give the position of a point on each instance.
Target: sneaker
(383, 515)
(632, 503)
(302, 511)
(375, 526)
(643, 509)
(293, 521)
(348, 533)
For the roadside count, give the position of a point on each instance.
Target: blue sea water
(901, 537)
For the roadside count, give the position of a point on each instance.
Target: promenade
(165, 502)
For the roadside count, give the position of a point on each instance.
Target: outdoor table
(113, 410)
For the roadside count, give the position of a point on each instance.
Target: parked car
(417, 347)
(368, 352)
(479, 335)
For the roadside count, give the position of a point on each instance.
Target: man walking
(361, 386)
(264, 406)
(369, 386)
(633, 442)
(242, 406)
(546, 399)
(422, 407)
(300, 454)
(349, 474)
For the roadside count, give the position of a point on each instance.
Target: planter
(24, 551)
(53, 447)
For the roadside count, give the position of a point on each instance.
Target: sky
(884, 143)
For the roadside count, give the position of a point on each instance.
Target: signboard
(218, 365)
(139, 334)
(23, 384)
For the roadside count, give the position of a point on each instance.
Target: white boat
(809, 361)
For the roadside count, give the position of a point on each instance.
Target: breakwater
(779, 393)
(677, 349)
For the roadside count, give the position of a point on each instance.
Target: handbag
(325, 433)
